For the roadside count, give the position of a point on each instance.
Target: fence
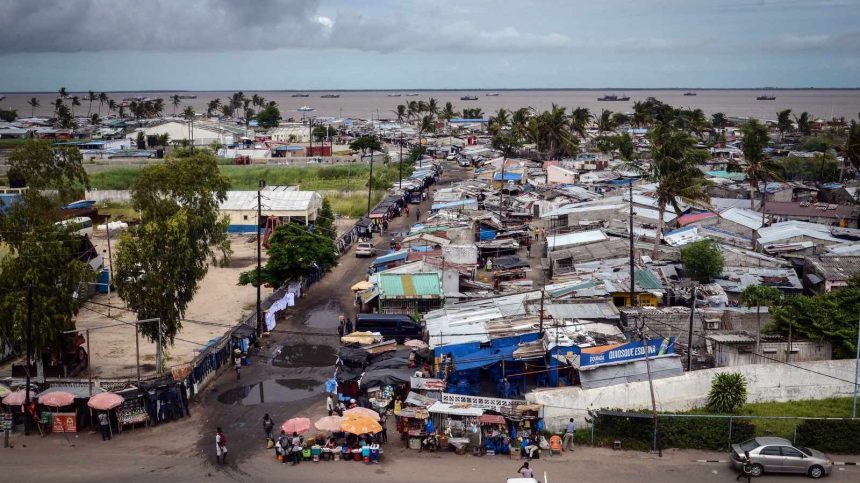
(718, 432)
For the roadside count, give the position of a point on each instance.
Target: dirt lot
(219, 300)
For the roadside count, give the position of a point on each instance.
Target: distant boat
(301, 94)
(188, 96)
(394, 94)
(765, 98)
(492, 94)
(306, 109)
(2, 98)
(412, 94)
(613, 98)
(469, 98)
(330, 96)
(689, 93)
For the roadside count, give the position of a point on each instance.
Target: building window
(245, 217)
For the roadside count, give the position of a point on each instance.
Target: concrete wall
(122, 196)
(765, 383)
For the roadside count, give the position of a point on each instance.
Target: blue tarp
(487, 233)
(508, 176)
(391, 257)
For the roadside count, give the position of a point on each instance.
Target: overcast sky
(388, 44)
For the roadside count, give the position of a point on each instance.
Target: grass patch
(12, 142)
(344, 177)
(118, 211)
(353, 204)
(819, 408)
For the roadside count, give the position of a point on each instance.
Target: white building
(290, 133)
(179, 131)
(284, 202)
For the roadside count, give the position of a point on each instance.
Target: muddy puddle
(272, 391)
(324, 318)
(304, 355)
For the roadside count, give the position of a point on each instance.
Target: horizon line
(459, 89)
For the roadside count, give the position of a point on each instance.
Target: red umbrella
(17, 398)
(296, 425)
(57, 399)
(105, 401)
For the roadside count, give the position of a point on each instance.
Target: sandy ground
(218, 300)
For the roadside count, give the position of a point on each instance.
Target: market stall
(458, 425)
(411, 426)
(494, 434)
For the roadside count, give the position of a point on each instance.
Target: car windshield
(749, 445)
(806, 451)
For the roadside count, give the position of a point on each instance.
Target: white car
(364, 249)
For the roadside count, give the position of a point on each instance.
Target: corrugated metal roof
(391, 257)
(302, 201)
(732, 338)
(744, 217)
(647, 279)
(793, 229)
(576, 238)
(392, 285)
(582, 311)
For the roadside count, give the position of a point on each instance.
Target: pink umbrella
(105, 401)
(17, 398)
(361, 412)
(329, 423)
(296, 425)
(57, 399)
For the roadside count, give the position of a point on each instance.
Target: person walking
(104, 425)
(525, 471)
(746, 467)
(347, 329)
(417, 214)
(383, 435)
(268, 426)
(529, 247)
(237, 365)
(220, 447)
(329, 404)
(569, 432)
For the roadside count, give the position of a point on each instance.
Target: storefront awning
(491, 419)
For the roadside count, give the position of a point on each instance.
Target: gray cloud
(159, 25)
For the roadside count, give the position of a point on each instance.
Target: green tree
(674, 169)
(728, 392)
(804, 123)
(580, 119)
(605, 121)
(850, 150)
(366, 144)
(783, 122)
(324, 224)
(625, 146)
(831, 316)
(8, 115)
(702, 260)
(324, 132)
(756, 296)
(269, 116)
(293, 252)
(43, 166)
(760, 168)
(44, 256)
(175, 100)
(160, 264)
(33, 103)
(41, 254)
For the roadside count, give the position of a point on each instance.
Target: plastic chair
(555, 446)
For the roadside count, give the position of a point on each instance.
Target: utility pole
(400, 165)
(27, 416)
(89, 366)
(159, 359)
(690, 331)
(856, 373)
(259, 258)
(632, 277)
(137, 351)
(650, 386)
(542, 292)
(370, 183)
(110, 269)
(502, 193)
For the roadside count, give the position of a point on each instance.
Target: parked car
(778, 455)
(364, 249)
(392, 326)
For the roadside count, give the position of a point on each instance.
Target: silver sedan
(778, 455)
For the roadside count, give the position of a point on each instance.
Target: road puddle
(304, 355)
(324, 318)
(272, 391)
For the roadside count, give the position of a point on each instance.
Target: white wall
(765, 383)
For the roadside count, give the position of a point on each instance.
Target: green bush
(728, 392)
(837, 436)
(675, 432)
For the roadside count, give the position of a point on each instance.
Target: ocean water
(821, 103)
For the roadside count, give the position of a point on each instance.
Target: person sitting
(529, 448)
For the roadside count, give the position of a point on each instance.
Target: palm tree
(76, 101)
(95, 120)
(63, 93)
(103, 98)
(718, 120)
(188, 113)
(783, 122)
(426, 125)
(553, 132)
(605, 122)
(176, 101)
(501, 119)
(693, 121)
(91, 96)
(121, 111)
(520, 121)
(226, 110)
(158, 107)
(580, 119)
(256, 100)
(673, 168)
(33, 103)
(400, 112)
(433, 107)
(412, 109)
(760, 168)
(448, 112)
(111, 105)
(804, 124)
(213, 106)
